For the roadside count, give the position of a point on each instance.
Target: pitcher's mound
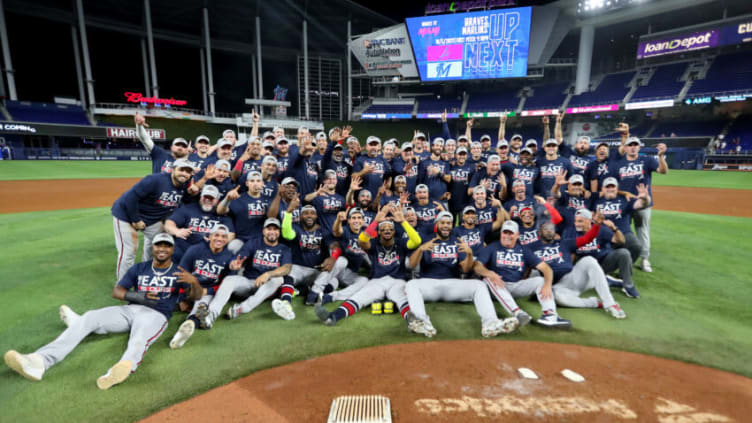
(477, 381)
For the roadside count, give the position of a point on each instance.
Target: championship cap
(338, 145)
(277, 128)
(584, 213)
(163, 237)
(462, 137)
(530, 142)
(363, 193)
(373, 140)
(268, 144)
(223, 142)
(517, 136)
(584, 138)
(352, 139)
(183, 163)
(290, 180)
(479, 188)
(222, 164)
(385, 222)
(307, 207)
(469, 209)
(476, 144)
(220, 228)
(269, 159)
(518, 182)
(510, 225)
(420, 135)
(421, 187)
(502, 143)
(610, 181)
(201, 138)
(526, 150)
(269, 134)
(630, 141)
(400, 178)
(485, 137)
(254, 139)
(227, 132)
(450, 141)
(253, 175)
(210, 190)
(444, 215)
(331, 131)
(180, 141)
(493, 158)
(272, 221)
(550, 141)
(391, 141)
(438, 140)
(282, 139)
(460, 150)
(330, 173)
(577, 179)
(602, 143)
(407, 146)
(355, 210)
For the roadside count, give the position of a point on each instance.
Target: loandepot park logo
(690, 42)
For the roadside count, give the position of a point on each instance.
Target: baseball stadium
(376, 211)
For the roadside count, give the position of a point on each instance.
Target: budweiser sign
(157, 134)
(139, 98)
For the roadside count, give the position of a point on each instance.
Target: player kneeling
(156, 285)
(441, 260)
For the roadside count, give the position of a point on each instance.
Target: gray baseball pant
(642, 228)
(145, 324)
(241, 285)
(586, 274)
(126, 242)
(523, 288)
(620, 259)
(377, 289)
(451, 290)
(340, 273)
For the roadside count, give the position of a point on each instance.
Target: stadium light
(588, 8)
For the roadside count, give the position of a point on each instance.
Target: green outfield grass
(24, 170)
(704, 179)
(695, 307)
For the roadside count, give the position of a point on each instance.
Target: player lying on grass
(155, 285)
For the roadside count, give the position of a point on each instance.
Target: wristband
(140, 298)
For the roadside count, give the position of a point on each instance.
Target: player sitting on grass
(155, 284)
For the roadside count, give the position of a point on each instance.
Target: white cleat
(416, 325)
(646, 267)
(185, 331)
(283, 309)
(67, 315)
(117, 374)
(30, 366)
(616, 312)
(497, 327)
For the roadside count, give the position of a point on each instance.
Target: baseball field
(58, 249)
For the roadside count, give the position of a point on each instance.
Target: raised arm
(141, 133)
(469, 130)
(558, 134)
(662, 164)
(502, 126)
(546, 128)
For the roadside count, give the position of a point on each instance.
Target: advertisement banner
(386, 52)
(656, 104)
(730, 32)
(386, 116)
(487, 114)
(543, 112)
(158, 134)
(593, 109)
(437, 115)
(476, 45)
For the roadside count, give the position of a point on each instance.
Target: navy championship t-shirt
(263, 258)
(509, 263)
(192, 217)
(151, 200)
(388, 261)
(209, 268)
(442, 262)
(162, 282)
(248, 214)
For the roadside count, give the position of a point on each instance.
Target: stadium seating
(433, 105)
(389, 108)
(549, 96)
(612, 89)
(493, 101)
(728, 73)
(742, 129)
(688, 129)
(26, 111)
(664, 84)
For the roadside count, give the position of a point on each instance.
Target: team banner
(476, 45)
(737, 32)
(386, 52)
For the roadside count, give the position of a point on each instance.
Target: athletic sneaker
(117, 374)
(30, 366)
(323, 315)
(283, 309)
(416, 325)
(630, 291)
(616, 312)
(646, 267)
(184, 332)
(522, 318)
(203, 316)
(499, 326)
(67, 315)
(552, 320)
(234, 311)
(614, 282)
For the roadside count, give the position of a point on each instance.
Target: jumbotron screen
(476, 45)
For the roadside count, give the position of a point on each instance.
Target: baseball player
(491, 177)
(349, 259)
(286, 194)
(143, 207)
(601, 248)
(551, 166)
(398, 195)
(161, 161)
(634, 170)
(419, 147)
(155, 285)
(525, 171)
(334, 159)
(282, 147)
(469, 232)
(248, 211)
(364, 201)
(599, 169)
(327, 202)
(250, 160)
(372, 168)
(387, 279)
(581, 159)
(425, 209)
(440, 261)
(571, 280)
(270, 262)
(268, 175)
(190, 223)
(502, 265)
(461, 173)
(209, 262)
(520, 200)
(406, 165)
(201, 154)
(569, 201)
(434, 172)
(302, 167)
(619, 210)
(489, 214)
